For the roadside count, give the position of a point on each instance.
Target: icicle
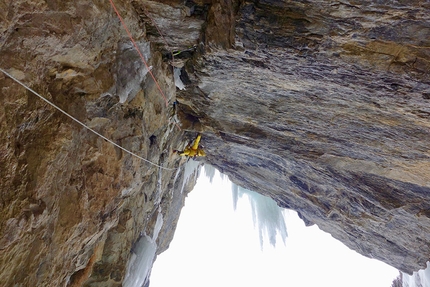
(267, 216)
(140, 262)
(158, 225)
(235, 195)
(420, 278)
(175, 178)
(189, 168)
(209, 172)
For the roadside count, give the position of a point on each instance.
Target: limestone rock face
(325, 107)
(322, 105)
(72, 204)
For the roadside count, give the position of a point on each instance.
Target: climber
(192, 150)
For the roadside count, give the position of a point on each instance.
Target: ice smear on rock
(131, 72)
(143, 253)
(266, 214)
(140, 264)
(417, 279)
(189, 169)
(178, 82)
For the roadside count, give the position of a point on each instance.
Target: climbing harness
(81, 123)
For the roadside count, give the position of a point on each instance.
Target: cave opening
(218, 241)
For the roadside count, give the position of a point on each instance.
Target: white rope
(82, 124)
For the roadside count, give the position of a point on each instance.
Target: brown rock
(322, 106)
(72, 204)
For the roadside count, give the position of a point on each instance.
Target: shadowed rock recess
(322, 105)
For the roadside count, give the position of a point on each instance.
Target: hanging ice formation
(143, 253)
(189, 169)
(266, 214)
(210, 172)
(417, 279)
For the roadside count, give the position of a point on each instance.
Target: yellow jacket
(194, 150)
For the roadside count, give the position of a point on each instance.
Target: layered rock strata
(324, 106)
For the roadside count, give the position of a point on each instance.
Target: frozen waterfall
(417, 279)
(267, 216)
(143, 254)
(210, 172)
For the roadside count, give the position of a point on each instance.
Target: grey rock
(324, 110)
(323, 106)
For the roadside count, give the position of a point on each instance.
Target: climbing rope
(149, 71)
(81, 123)
(175, 120)
(140, 54)
(138, 51)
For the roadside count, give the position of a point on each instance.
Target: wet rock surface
(324, 106)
